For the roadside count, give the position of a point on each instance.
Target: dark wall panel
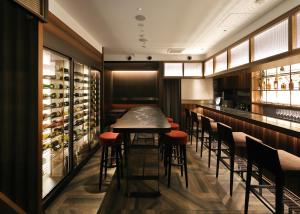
(19, 169)
(135, 86)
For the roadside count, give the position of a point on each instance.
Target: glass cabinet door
(94, 107)
(81, 113)
(55, 122)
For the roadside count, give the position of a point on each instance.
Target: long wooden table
(144, 119)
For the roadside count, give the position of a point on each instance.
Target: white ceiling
(195, 25)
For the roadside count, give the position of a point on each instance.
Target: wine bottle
(53, 95)
(53, 105)
(49, 77)
(48, 86)
(46, 145)
(45, 116)
(55, 145)
(55, 114)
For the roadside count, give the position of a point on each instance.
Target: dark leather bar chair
(113, 141)
(195, 130)
(228, 144)
(209, 127)
(188, 121)
(176, 139)
(278, 162)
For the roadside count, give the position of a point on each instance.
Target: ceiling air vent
(175, 50)
(38, 8)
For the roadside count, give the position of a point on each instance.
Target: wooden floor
(82, 195)
(205, 193)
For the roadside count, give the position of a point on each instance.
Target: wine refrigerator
(71, 116)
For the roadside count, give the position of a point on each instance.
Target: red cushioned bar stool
(174, 126)
(177, 139)
(112, 141)
(170, 120)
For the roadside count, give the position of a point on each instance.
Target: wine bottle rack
(94, 107)
(71, 108)
(81, 112)
(56, 85)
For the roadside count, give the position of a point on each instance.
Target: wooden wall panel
(20, 163)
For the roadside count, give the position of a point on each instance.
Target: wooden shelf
(275, 105)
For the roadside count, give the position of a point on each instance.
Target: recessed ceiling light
(143, 46)
(140, 25)
(224, 30)
(143, 40)
(140, 18)
(141, 35)
(259, 1)
(139, 8)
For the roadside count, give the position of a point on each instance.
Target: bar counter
(277, 133)
(280, 125)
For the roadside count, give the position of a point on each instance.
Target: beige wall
(197, 89)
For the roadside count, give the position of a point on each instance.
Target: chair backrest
(187, 112)
(205, 124)
(225, 134)
(263, 155)
(194, 117)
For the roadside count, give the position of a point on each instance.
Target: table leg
(126, 151)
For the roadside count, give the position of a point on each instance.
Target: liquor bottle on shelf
(66, 78)
(299, 85)
(276, 82)
(263, 85)
(268, 86)
(283, 86)
(291, 85)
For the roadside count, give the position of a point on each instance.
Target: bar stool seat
(170, 120)
(214, 127)
(113, 141)
(109, 138)
(289, 163)
(174, 126)
(178, 140)
(239, 139)
(176, 137)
